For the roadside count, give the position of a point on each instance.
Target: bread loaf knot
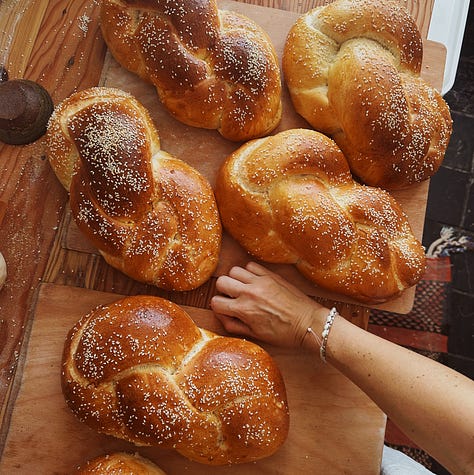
(353, 72)
(151, 215)
(119, 463)
(140, 369)
(213, 69)
(290, 198)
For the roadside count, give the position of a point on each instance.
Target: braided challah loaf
(141, 370)
(290, 198)
(212, 68)
(120, 463)
(353, 72)
(151, 215)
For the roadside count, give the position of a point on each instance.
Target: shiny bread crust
(353, 72)
(140, 369)
(212, 68)
(290, 198)
(151, 215)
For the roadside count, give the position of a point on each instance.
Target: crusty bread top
(212, 68)
(290, 198)
(119, 463)
(353, 72)
(141, 370)
(151, 215)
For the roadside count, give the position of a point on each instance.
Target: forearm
(432, 404)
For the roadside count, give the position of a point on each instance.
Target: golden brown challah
(141, 370)
(120, 463)
(290, 198)
(151, 215)
(353, 72)
(213, 69)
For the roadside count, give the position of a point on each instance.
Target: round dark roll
(26, 108)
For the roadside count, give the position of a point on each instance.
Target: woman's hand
(260, 304)
(427, 400)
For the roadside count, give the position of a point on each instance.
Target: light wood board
(334, 427)
(206, 149)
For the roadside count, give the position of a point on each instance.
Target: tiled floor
(451, 203)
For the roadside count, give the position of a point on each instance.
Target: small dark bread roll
(141, 370)
(120, 463)
(24, 112)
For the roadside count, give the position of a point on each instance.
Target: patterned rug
(421, 330)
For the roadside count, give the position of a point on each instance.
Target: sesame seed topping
(151, 215)
(353, 72)
(141, 370)
(212, 68)
(307, 210)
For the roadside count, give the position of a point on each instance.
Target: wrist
(313, 330)
(317, 334)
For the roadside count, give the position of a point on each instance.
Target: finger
(260, 270)
(241, 274)
(234, 325)
(223, 305)
(257, 269)
(229, 286)
(228, 310)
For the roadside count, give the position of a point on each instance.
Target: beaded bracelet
(325, 333)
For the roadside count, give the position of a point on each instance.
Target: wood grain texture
(20, 22)
(206, 150)
(419, 10)
(59, 45)
(334, 427)
(41, 41)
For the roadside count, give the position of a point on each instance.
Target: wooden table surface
(59, 45)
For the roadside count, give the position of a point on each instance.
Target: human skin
(431, 403)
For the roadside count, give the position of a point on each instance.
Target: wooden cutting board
(206, 149)
(334, 427)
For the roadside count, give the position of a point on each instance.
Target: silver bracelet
(323, 341)
(325, 334)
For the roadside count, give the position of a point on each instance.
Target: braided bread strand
(213, 69)
(139, 369)
(119, 463)
(353, 72)
(290, 198)
(151, 215)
